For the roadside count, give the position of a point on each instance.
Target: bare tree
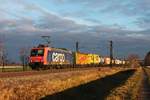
(24, 57)
(133, 60)
(3, 56)
(1, 52)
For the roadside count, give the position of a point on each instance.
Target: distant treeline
(147, 59)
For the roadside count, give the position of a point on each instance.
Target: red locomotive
(45, 56)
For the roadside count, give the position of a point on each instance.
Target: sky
(91, 22)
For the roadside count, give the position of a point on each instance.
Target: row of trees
(147, 59)
(23, 53)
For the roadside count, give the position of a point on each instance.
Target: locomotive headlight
(42, 59)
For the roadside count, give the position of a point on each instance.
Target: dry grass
(129, 90)
(35, 87)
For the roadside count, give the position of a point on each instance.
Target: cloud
(135, 11)
(64, 31)
(143, 21)
(53, 24)
(127, 7)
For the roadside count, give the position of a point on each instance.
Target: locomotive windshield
(37, 52)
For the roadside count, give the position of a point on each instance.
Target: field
(39, 86)
(14, 68)
(129, 90)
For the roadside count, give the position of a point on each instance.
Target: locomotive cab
(37, 57)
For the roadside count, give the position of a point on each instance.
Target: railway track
(28, 73)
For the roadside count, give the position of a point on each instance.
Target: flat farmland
(11, 66)
(85, 84)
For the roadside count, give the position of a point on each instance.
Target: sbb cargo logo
(58, 57)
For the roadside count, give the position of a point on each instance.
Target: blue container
(58, 56)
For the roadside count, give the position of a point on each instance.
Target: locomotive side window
(41, 52)
(37, 52)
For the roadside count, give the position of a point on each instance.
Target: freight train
(44, 57)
